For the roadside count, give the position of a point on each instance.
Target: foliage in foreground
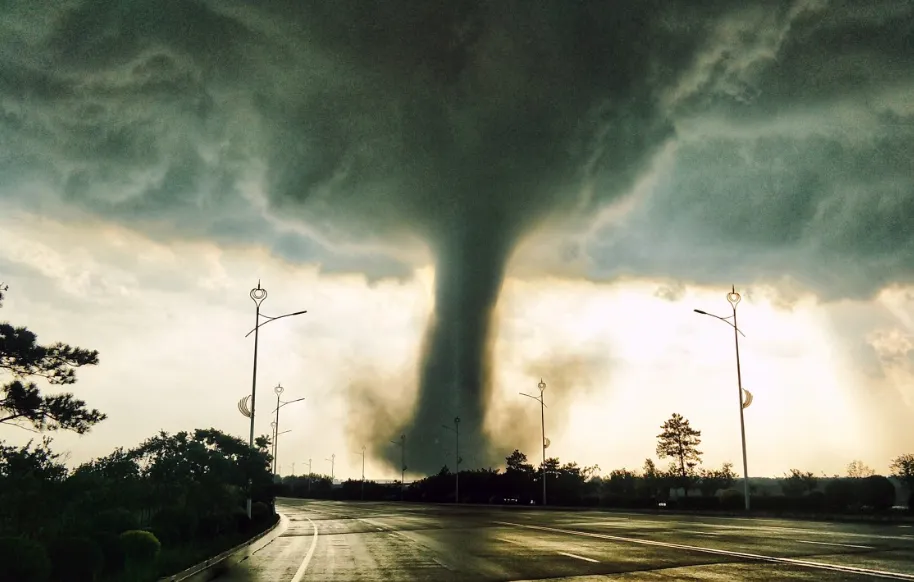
(186, 491)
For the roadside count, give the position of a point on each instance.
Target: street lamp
(541, 400)
(279, 404)
(258, 295)
(310, 474)
(363, 471)
(332, 460)
(456, 429)
(734, 298)
(402, 445)
(276, 434)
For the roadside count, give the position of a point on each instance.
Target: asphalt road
(389, 542)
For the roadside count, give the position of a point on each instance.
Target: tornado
(455, 363)
(467, 124)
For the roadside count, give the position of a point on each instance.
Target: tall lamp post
(276, 468)
(456, 429)
(363, 471)
(258, 295)
(279, 404)
(734, 298)
(309, 475)
(402, 444)
(541, 400)
(332, 460)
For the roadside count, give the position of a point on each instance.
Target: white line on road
(580, 557)
(507, 541)
(698, 533)
(304, 565)
(835, 544)
(778, 530)
(744, 555)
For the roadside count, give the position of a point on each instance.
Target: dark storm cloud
(807, 172)
(469, 123)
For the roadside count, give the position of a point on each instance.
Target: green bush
(876, 492)
(75, 560)
(260, 511)
(174, 526)
(115, 521)
(731, 499)
(839, 495)
(23, 560)
(215, 525)
(241, 519)
(113, 555)
(141, 548)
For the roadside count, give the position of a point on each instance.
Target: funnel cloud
(468, 124)
(356, 125)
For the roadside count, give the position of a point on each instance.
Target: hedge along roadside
(204, 571)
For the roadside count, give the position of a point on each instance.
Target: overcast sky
(467, 197)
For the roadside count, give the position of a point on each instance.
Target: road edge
(789, 516)
(201, 572)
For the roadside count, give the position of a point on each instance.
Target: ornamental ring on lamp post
(733, 297)
(243, 407)
(541, 386)
(258, 294)
(279, 390)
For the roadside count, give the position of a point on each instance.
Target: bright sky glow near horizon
(156, 163)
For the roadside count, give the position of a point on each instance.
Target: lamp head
(733, 297)
(541, 386)
(258, 294)
(279, 390)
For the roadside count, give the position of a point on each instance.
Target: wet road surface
(349, 541)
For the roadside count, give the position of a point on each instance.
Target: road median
(213, 567)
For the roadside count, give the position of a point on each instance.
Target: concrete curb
(204, 571)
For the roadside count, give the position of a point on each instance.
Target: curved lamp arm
(269, 319)
(289, 402)
(537, 398)
(723, 319)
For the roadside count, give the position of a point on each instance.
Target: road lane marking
(763, 530)
(507, 541)
(304, 565)
(744, 555)
(580, 557)
(442, 564)
(834, 544)
(697, 533)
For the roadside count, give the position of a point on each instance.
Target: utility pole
(744, 396)
(310, 474)
(542, 400)
(258, 295)
(456, 430)
(363, 472)
(332, 460)
(402, 445)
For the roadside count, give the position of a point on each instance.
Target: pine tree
(22, 403)
(680, 441)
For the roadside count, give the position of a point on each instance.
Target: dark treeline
(186, 493)
(682, 484)
(134, 515)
